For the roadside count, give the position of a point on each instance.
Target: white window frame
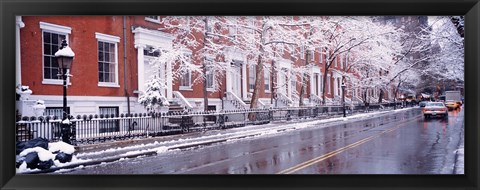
(114, 40)
(58, 29)
(320, 81)
(341, 61)
(346, 60)
(329, 84)
(233, 30)
(189, 87)
(302, 52)
(321, 55)
(153, 20)
(293, 81)
(208, 67)
(266, 78)
(250, 76)
(312, 56)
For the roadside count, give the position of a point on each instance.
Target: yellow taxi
(452, 105)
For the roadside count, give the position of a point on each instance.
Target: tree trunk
(273, 89)
(258, 80)
(324, 86)
(380, 97)
(255, 95)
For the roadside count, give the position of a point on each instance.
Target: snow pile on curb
(39, 154)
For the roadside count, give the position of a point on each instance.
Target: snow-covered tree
(152, 98)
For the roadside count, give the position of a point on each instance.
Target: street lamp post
(343, 98)
(64, 58)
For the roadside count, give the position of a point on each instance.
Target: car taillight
(425, 109)
(443, 109)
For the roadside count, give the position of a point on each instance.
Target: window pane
(112, 77)
(54, 73)
(46, 73)
(112, 57)
(106, 77)
(106, 58)
(112, 48)
(46, 37)
(54, 62)
(46, 49)
(54, 49)
(55, 39)
(46, 61)
(100, 77)
(100, 46)
(106, 47)
(100, 66)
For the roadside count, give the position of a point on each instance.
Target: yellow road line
(333, 153)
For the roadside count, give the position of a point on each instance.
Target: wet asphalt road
(399, 143)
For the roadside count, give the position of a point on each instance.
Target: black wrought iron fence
(100, 128)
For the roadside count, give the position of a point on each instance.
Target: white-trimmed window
(302, 52)
(251, 77)
(186, 80)
(327, 55)
(320, 55)
(52, 37)
(311, 55)
(155, 19)
(210, 75)
(186, 76)
(329, 79)
(266, 76)
(293, 80)
(321, 84)
(107, 126)
(107, 60)
(345, 62)
(232, 29)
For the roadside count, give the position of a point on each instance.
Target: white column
(140, 69)
(244, 80)
(335, 90)
(289, 84)
(18, 70)
(312, 83)
(169, 81)
(228, 78)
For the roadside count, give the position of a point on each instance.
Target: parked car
(423, 103)
(452, 105)
(434, 109)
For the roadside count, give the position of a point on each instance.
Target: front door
(237, 78)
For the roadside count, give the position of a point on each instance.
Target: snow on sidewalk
(230, 135)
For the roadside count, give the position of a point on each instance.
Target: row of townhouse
(111, 67)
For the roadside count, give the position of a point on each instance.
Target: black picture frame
(9, 9)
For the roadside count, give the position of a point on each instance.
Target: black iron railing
(100, 128)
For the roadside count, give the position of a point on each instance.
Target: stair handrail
(282, 97)
(181, 99)
(232, 97)
(315, 98)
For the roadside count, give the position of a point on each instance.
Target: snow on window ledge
(186, 88)
(210, 89)
(111, 85)
(152, 20)
(54, 82)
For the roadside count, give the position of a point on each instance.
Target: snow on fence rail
(100, 128)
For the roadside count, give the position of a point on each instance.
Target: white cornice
(146, 37)
(55, 28)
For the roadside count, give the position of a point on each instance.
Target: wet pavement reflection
(399, 143)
